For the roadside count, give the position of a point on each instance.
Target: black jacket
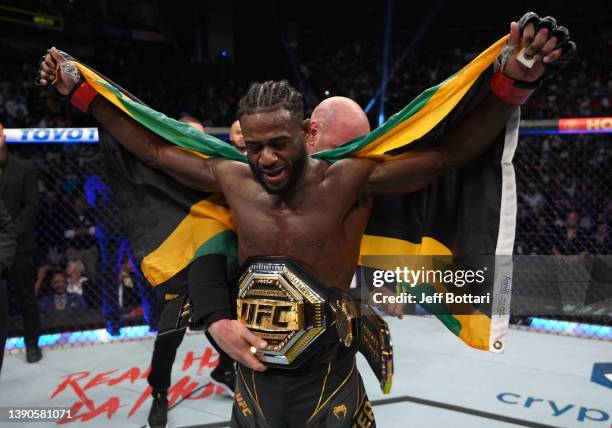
(19, 192)
(7, 239)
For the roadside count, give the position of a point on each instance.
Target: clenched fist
(56, 69)
(546, 48)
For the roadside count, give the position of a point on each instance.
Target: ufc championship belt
(375, 345)
(296, 315)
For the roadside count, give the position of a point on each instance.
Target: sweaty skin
(319, 221)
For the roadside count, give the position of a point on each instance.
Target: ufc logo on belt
(270, 315)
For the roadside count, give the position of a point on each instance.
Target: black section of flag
(152, 203)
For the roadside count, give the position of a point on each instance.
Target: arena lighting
(558, 132)
(385, 69)
(51, 135)
(572, 328)
(572, 125)
(419, 34)
(83, 337)
(73, 135)
(32, 18)
(138, 332)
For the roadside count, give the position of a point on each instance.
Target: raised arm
(190, 170)
(465, 143)
(186, 168)
(510, 87)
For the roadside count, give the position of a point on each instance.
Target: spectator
(61, 299)
(602, 241)
(78, 283)
(128, 295)
(43, 272)
(571, 239)
(80, 236)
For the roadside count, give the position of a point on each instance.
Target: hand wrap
(507, 89)
(82, 96)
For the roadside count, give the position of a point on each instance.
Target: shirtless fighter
(287, 204)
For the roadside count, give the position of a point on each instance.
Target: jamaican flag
(467, 212)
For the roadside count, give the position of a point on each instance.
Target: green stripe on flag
(222, 243)
(451, 323)
(439, 310)
(176, 132)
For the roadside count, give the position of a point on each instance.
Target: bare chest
(320, 226)
(276, 229)
(323, 242)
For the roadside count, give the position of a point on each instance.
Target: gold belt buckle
(278, 302)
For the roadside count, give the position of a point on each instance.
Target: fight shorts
(327, 395)
(313, 333)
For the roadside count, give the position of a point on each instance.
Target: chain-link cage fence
(563, 237)
(87, 278)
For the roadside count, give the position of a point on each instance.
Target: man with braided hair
(287, 204)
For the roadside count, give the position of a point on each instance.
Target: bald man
(335, 121)
(193, 122)
(236, 138)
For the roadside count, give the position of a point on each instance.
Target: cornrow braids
(272, 95)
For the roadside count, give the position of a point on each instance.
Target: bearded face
(275, 149)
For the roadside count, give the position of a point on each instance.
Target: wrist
(214, 325)
(82, 96)
(511, 91)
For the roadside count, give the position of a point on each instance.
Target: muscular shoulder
(351, 171)
(231, 173)
(228, 167)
